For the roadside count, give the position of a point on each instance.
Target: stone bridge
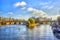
(12, 22)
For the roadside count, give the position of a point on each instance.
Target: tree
(31, 20)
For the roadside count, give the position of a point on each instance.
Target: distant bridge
(22, 22)
(12, 22)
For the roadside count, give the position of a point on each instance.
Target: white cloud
(43, 3)
(36, 11)
(50, 7)
(30, 9)
(10, 13)
(20, 4)
(47, 5)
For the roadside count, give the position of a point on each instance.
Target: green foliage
(31, 23)
(31, 20)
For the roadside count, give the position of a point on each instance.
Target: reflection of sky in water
(20, 32)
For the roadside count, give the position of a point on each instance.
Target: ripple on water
(20, 32)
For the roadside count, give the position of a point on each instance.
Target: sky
(28, 8)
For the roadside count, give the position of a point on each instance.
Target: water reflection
(20, 32)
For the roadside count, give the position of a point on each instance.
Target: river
(20, 32)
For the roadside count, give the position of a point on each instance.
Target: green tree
(31, 20)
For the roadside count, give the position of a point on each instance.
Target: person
(56, 27)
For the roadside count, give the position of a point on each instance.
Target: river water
(21, 32)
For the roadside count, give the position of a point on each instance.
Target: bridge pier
(16, 22)
(2, 23)
(12, 23)
(7, 23)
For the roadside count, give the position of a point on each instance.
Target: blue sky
(22, 8)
